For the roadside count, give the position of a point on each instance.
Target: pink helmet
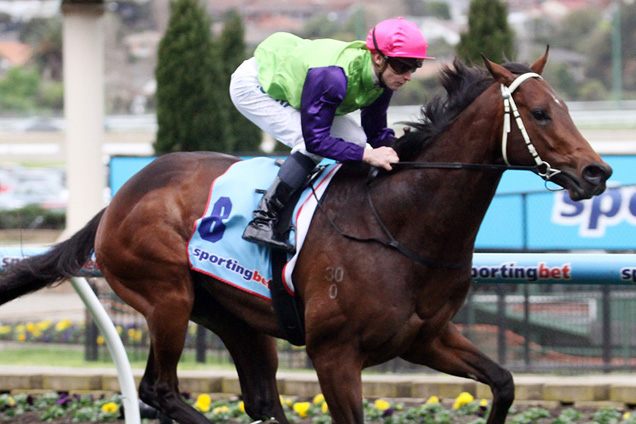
(397, 38)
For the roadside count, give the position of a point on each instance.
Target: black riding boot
(261, 229)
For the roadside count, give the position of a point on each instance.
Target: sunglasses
(403, 65)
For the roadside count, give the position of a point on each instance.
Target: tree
(488, 33)
(242, 136)
(190, 115)
(45, 35)
(19, 89)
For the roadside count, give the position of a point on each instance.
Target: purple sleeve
(323, 92)
(373, 119)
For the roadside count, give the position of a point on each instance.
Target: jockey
(301, 91)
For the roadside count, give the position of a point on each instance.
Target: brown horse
(364, 302)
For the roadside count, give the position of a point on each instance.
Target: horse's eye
(540, 114)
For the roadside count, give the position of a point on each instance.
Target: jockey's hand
(381, 157)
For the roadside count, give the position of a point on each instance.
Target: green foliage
(320, 26)
(22, 90)
(560, 75)
(32, 217)
(530, 416)
(576, 27)
(190, 113)
(568, 416)
(51, 96)
(593, 90)
(438, 9)
(54, 406)
(488, 33)
(45, 36)
(241, 135)
(607, 416)
(19, 89)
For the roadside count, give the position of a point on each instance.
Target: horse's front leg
(452, 353)
(339, 372)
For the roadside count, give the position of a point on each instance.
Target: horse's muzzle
(594, 177)
(596, 174)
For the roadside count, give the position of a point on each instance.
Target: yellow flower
(100, 340)
(382, 404)
(20, 328)
(626, 415)
(63, 325)
(484, 402)
(30, 327)
(44, 325)
(242, 406)
(119, 329)
(21, 337)
(463, 399)
(221, 410)
(318, 399)
(285, 401)
(203, 403)
(11, 401)
(301, 408)
(324, 408)
(110, 407)
(433, 399)
(4, 329)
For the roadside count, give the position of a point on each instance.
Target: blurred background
(592, 65)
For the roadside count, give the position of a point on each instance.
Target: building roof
(15, 52)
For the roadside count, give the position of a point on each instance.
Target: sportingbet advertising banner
(541, 219)
(546, 220)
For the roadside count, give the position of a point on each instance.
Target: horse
(385, 265)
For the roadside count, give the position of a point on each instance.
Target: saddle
(216, 247)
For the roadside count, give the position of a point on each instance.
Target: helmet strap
(375, 44)
(384, 60)
(380, 73)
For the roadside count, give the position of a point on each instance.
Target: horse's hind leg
(166, 307)
(454, 354)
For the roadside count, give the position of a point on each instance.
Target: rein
(391, 242)
(460, 165)
(509, 106)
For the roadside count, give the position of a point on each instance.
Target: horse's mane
(462, 85)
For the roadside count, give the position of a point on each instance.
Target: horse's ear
(540, 63)
(498, 72)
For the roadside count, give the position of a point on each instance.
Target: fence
(564, 313)
(530, 312)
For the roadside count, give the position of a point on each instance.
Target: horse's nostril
(597, 173)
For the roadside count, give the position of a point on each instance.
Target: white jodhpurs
(278, 118)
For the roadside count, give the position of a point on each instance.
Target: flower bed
(65, 408)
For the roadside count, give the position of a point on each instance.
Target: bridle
(509, 107)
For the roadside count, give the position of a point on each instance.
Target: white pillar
(83, 109)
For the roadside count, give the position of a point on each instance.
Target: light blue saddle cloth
(216, 247)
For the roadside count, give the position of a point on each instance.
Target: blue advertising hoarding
(539, 220)
(552, 221)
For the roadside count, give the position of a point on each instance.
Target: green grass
(56, 356)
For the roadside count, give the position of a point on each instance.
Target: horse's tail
(63, 261)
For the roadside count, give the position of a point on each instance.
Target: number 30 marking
(334, 274)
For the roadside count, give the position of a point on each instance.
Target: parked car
(20, 187)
